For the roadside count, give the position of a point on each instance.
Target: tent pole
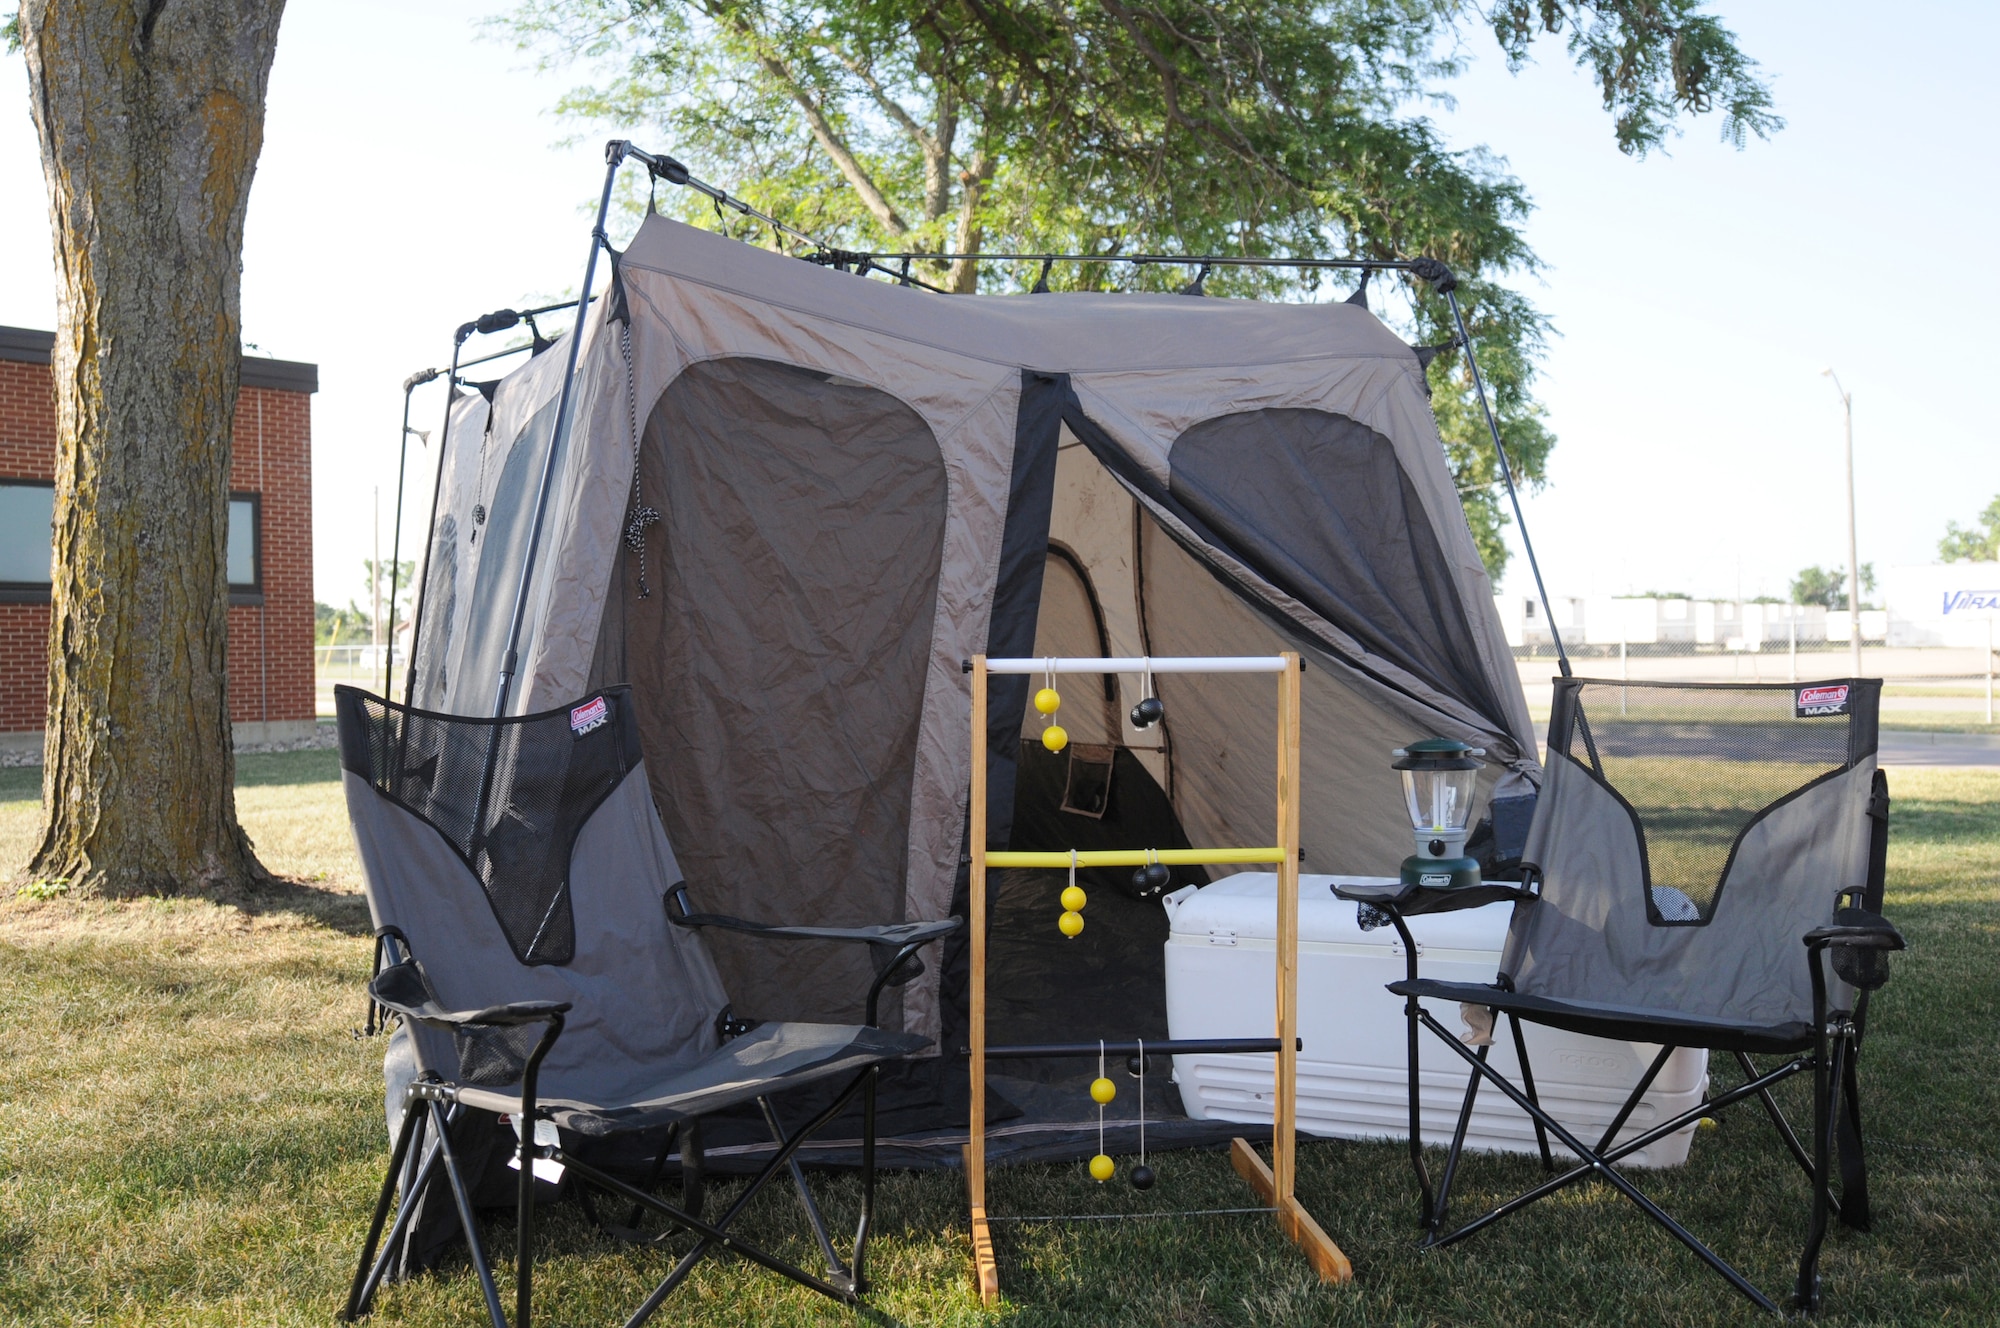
(1447, 286)
(614, 156)
(410, 385)
(430, 530)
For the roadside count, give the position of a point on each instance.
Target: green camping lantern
(1438, 779)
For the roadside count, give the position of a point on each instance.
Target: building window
(27, 521)
(246, 548)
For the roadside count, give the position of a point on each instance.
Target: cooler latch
(1221, 937)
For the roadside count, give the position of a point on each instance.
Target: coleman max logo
(1821, 701)
(593, 713)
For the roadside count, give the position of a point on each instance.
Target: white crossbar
(1144, 664)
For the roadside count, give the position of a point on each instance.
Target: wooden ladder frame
(1274, 1184)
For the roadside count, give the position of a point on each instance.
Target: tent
(792, 503)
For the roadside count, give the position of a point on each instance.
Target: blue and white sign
(1942, 604)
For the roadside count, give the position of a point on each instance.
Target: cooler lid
(1246, 905)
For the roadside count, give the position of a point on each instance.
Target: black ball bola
(1152, 879)
(1148, 713)
(1142, 1177)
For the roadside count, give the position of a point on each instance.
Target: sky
(413, 177)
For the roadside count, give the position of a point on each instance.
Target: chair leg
(1632, 1101)
(818, 1223)
(1622, 1151)
(417, 1178)
(356, 1304)
(1853, 1211)
(1427, 1213)
(667, 1145)
(467, 1218)
(1457, 1148)
(524, 1229)
(694, 1168)
(1778, 1121)
(1528, 1082)
(858, 1269)
(717, 1233)
(1605, 1171)
(1827, 1075)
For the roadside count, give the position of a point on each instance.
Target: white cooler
(1221, 972)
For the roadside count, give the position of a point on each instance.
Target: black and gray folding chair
(1707, 866)
(522, 887)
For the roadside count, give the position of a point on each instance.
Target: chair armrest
(1856, 928)
(1412, 900)
(404, 989)
(892, 934)
(1857, 944)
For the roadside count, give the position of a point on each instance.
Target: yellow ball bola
(1055, 737)
(1070, 923)
(1102, 1091)
(1102, 1168)
(1047, 700)
(1074, 899)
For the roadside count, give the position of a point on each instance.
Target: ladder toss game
(1273, 1182)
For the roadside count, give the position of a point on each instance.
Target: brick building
(270, 544)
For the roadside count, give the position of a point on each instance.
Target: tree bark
(150, 115)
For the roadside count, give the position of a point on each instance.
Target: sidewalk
(1900, 747)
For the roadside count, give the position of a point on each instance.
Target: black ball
(1151, 881)
(1142, 1177)
(1148, 713)
(1134, 1067)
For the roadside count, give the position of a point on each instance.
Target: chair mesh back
(1698, 764)
(509, 795)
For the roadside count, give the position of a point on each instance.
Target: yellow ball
(1102, 1168)
(1055, 737)
(1102, 1091)
(1070, 923)
(1073, 899)
(1047, 700)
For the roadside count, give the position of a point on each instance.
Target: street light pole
(1853, 560)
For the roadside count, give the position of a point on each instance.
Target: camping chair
(1702, 855)
(522, 887)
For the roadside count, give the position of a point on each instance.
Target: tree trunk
(151, 116)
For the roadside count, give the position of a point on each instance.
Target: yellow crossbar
(1139, 857)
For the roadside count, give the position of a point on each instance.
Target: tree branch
(889, 105)
(829, 138)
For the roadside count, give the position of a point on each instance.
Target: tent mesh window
(509, 795)
(1697, 767)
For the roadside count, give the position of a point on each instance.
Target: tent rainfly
(790, 503)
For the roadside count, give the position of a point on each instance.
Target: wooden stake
(985, 1271)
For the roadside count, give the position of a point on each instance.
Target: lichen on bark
(150, 115)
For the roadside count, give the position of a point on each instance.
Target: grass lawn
(191, 1135)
